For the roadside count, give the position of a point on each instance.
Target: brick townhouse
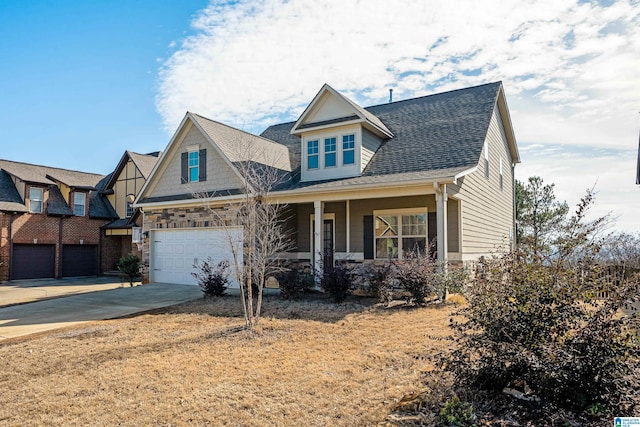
(50, 221)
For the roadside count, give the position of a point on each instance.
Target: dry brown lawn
(314, 363)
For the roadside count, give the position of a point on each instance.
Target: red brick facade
(42, 229)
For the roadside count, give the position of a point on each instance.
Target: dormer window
(312, 154)
(348, 149)
(35, 200)
(329, 152)
(79, 203)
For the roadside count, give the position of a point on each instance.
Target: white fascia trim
(327, 126)
(463, 173)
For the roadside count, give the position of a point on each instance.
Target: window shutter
(184, 173)
(202, 165)
(367, 231)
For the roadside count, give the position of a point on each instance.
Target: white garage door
(174, 252)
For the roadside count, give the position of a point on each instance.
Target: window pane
(312, 162)
(194, 174)
(386, 225)
(193, 158)
(312, 147)
(414, 225)
(413, 245)
(329, 160)
(329, 145)
(348, 142)
(386, 248)
(348, 157)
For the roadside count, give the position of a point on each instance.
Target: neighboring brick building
(50, 221)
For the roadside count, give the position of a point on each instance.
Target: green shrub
(294, 283)
(213, 281)
(336, 282)
(457, 413)
(130, 266)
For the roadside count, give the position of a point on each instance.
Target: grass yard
(313, 363)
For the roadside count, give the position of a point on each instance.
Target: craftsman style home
(121, 188)
(361, 184)
(50, 221)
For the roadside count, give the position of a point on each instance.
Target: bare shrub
(213, 281)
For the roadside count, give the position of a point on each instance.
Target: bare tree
(254, 223)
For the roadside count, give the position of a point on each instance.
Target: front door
(327, 242)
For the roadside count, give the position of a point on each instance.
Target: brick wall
(48, 229)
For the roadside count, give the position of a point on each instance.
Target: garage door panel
(32, 262)
(79, 260)
(174, 252)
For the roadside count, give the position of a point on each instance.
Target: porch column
(441, 219)
(318, 208)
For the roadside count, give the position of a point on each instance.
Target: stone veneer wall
(199, 217)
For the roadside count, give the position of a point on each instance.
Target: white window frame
(76, 204)
(316, 154)
(353, 149)
(501, 176)
(326, 140)
(399, 213)
(33, 199)
(190, 167)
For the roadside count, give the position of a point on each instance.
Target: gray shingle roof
(144, 162)
(99, 206)
(10, 200)
(432, 134)
(240, 146)
(56, 205)
(48, 175)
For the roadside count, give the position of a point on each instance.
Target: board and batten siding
(370, 144)
(488, 211)
(130, 181)
(220, 176)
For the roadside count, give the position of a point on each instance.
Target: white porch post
(441, 219)
(318, 208)
(348, 214)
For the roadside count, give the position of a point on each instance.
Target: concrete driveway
(44, 315)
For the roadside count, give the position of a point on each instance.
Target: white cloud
(570, 68)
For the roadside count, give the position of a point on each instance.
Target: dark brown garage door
(79, 260)
(33, 262)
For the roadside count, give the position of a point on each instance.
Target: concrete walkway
(25, 319)
(23, 291)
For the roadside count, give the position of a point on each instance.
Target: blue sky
(82, 81)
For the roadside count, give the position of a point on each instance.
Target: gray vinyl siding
(360, 208)
(453, 227)
(370, 144)
(487, 215)
(220, 176)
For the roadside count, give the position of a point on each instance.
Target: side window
(330, 152)
(194, 166)
(348, 150)
(501, 176)
(312, 154)
(35, 200)
(79, 204)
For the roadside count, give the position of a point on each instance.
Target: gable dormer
(338, 137)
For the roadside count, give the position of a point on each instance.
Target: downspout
(59, 251)
(514, 224)
(11, 218)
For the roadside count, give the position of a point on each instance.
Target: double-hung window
(329, 152)
(348, 149)
(35, 200)
(400, 233)
(194, 166)
(312, 154)
(79, 203)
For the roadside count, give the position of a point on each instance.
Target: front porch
(374, 229)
